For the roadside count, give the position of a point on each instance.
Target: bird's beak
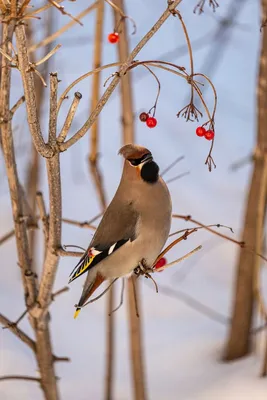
(145, 160)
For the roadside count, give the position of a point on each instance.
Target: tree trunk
(128, 137)
(239, 339)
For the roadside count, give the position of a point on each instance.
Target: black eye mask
(150, 172)
(137, 161)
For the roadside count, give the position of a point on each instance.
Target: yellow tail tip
(77, 312)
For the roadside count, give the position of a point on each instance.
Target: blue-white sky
(182, 347)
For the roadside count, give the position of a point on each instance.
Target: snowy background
(182, 346)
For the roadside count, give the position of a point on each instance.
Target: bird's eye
(135, 162)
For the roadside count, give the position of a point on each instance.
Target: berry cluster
(160, 263)
(201, 131)
(113, 37)
(151, 122)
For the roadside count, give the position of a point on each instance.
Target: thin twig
(175, 178)
(20, 378)
(41, 9)
(64, 253)
(240, 243)
(202, 227)
(60, 291)
(87, 125)
(18, 332)
(169, 167)
(101, 294)
(48, 55)
(7, 236)
(17, 105)
(179, 259)
(84, 224)
(51, 38)
(62, 10)
(69, 119)
(121, 299)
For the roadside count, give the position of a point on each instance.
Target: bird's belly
(125, 259)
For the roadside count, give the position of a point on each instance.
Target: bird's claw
(142, 268)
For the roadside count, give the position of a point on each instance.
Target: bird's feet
(142, 268)
(146, 271)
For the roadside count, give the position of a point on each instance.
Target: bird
(134, 227)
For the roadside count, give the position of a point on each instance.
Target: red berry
(151, 122)
(143, 116)
(113, 37)
(209, 135)
(200, 131)
(160, 263)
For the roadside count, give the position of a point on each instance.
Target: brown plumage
(131, 151)
(134, 227)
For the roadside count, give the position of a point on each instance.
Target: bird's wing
(117, 227)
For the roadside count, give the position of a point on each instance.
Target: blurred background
(184, 326)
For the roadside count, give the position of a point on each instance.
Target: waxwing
(134, 227)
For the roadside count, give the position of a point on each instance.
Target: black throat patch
(150, 172)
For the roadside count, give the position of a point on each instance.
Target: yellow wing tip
(77, 312)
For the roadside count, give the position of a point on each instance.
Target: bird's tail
(91, 284)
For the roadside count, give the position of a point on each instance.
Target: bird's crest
(132, 151)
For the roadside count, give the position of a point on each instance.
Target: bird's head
(140, 160)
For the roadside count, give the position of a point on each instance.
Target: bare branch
(55, 35)
(62, 10)
(175, 178)
(94, 140)
(110, 356)
(61, 359)
(68, 121)
(28, 84)
(179, 259)
(17, 104)
(41, 9)
(87, 125)
(60, 291)
(43, 215)
(7, 236)
(264, 364)
(85, 224)
(48, 55)
(53, 110)
(167, 169)
(135, 338)
(135, 333)
(30, 289)
(65, 253)
(18, 332)
(20, 378)
(242, 244)
(54, 236)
